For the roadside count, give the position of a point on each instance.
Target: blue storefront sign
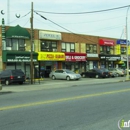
(122, 42)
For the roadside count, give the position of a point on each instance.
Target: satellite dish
(2, 12)
(18, 16)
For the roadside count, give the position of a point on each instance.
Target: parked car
(126, 71)
(96, 73)
(64, 74)
(112, 73)
(118, 71)
(12, 76)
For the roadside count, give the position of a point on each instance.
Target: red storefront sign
(71, 56)
(105, 42)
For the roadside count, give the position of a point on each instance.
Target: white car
(126, 71)
(64, 74)
(118, 71)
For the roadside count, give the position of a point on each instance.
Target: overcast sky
(70, 16)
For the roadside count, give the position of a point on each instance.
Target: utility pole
(127, 44)
(8, 12)
(32, 40)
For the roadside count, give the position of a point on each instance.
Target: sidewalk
(48, 83)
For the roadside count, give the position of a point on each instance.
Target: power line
(97, 11)
(62, 27)
(20, 17)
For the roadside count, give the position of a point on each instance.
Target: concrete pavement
(48, 83)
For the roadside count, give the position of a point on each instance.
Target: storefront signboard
(75, 56)
(113, 58)
(122, 42)
(124, 58)
(106, 42)
(20, 58)
(51, 56)
(49, 35)
(92, 55)
(110, 58)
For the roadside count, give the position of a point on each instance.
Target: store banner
(106, 42)
(118, 49)
(122, 42)
(51, 56)
(50, 35)
(71, 56)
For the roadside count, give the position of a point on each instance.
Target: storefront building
(18, 60)
(49, 56)
(107, 57)
(15, 53)
(49, 61)
(92, 61)
(75, 61)
(122, 49)
(109, 61)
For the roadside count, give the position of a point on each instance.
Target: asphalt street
(77, 107)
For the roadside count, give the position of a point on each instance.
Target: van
(12, 76)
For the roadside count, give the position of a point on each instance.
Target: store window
(123, 50)
(68, 47)
(15, 44)
(90, 48)
(106, 49)
(49, 46)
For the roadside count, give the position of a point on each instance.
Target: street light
(127, 44)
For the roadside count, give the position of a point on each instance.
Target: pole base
(0, 86)
(127, 77)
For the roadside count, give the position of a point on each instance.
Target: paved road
(49, 84)
(78, 107)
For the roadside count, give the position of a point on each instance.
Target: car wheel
(68, 78)
(83, 76)
(53, 77)
(117, 75)
(7, 82)
(97, 76)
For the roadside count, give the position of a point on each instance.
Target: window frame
(11, 42)
(106, 49)
(91, 48)
(70, 45)
(51, 45)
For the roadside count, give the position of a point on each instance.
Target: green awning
(17, 32)
(18, 56)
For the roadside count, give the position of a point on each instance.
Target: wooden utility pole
(32, 40)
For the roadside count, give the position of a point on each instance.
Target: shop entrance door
(47, 71)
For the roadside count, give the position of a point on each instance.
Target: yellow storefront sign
(51, 56)
(117, 49)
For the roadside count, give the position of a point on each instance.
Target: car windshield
(69, 72)
(17, 72)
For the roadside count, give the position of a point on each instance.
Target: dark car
(96, 73)
(12, 76)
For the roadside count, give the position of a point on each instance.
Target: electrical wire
(63, 27)
(20, 17)
(98, 11)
